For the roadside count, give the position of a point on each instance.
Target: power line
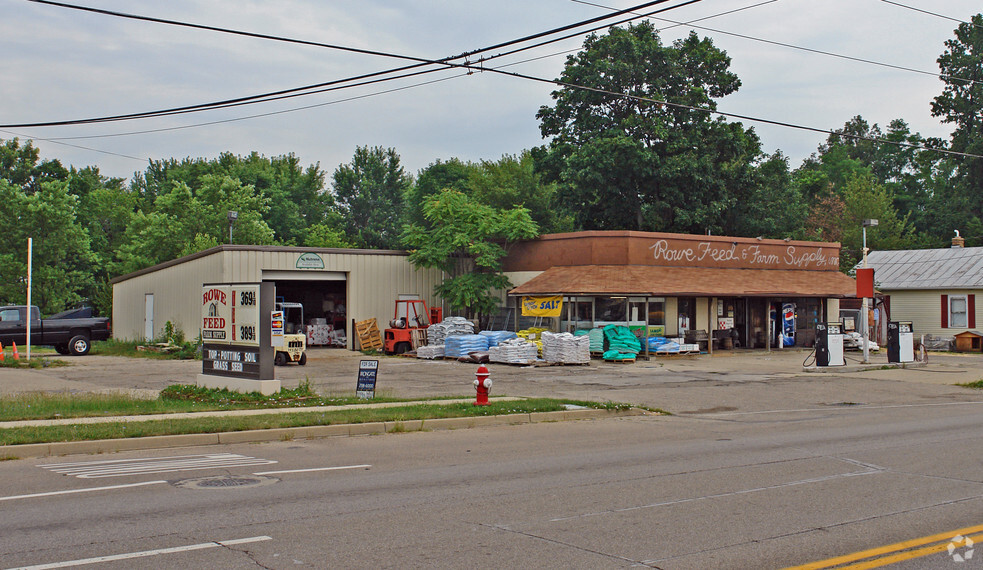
(448, 61)
(801, 48)
(57, 141)
(476, 67)
(485, 59)
(929, 13)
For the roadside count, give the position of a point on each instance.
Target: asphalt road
(716, 490)
(760, 467)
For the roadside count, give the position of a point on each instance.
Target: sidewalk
(282, 434)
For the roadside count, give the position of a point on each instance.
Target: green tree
(512, 181)
(369, 195)
(840, 218)
(297, 196)
(961, 104)
(629, 163)
(62, 260)
(440, 175)
(467, 240)
(775, 208)
(324, 235)
(181, 222)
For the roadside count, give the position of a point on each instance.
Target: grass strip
(115, 430)
(978, 385)
(178, 398)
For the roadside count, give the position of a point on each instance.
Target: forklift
(294, 347)
(410, 315)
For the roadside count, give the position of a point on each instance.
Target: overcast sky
(61, 64)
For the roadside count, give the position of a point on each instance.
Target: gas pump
(900, 342)
(829, 344)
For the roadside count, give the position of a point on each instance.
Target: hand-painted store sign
(230, 314)
(747, 255)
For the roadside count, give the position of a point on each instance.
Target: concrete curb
(33, 450)
(862, 367)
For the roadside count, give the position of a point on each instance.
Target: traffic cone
(2, 356)
(16, 354)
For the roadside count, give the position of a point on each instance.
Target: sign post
(236, 337)
(368, 372)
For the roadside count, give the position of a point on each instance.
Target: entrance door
(148, 319)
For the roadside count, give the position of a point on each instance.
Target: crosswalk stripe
(125, 467)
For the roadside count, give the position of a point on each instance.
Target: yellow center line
(893, 548)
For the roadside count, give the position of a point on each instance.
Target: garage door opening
(325, 311)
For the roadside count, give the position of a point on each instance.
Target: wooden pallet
(620, 360)
(418, 338)
(368, 335)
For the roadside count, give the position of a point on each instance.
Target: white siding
(924, 310)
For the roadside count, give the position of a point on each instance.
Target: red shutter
(971, 309)
(945, 311)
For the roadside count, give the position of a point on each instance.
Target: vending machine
(900, 342)
(829, 344)
(788, 324)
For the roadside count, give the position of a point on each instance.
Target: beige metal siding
(176, 298)
(373, 283)
(924, 310)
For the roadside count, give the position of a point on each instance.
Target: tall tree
(369, 195)
(625, 161)
(439, 175)
(467, 240)
(961, 103)
(512, 181)
(62, 260)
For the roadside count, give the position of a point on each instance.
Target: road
(763, 487)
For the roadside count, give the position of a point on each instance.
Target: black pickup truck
(69, 332)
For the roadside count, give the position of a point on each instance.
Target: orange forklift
(410, 315)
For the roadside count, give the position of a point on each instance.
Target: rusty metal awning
(647, 280)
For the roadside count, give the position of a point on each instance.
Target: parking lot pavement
(726, 381)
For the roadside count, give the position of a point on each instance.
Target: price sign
(368, 371)
(230, 314)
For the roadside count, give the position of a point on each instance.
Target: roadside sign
(276, 328)
(368, 371)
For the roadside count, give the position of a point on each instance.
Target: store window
(611, 309)
(687, 314)
(958, 311)
(657, 311)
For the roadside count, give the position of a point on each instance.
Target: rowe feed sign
(233, 333)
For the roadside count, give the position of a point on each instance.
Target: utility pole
(866, 324)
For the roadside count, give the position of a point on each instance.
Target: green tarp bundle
(621, 339)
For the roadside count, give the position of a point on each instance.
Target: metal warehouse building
(340, 286)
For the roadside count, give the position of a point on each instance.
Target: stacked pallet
(565, 348)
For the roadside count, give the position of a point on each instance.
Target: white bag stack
(430, 351)
(514, 351)
(564, 348)
(451, 326)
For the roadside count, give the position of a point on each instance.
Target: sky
(62, 64)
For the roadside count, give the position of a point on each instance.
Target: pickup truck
(69, 332)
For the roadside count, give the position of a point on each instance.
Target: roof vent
(958, 241)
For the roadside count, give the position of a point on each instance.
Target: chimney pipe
(958, 240)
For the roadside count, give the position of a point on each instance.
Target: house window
(958, 312)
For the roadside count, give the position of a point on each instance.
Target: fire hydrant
(482, 384)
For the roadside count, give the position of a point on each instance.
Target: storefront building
(744, 289)
(336, 287)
